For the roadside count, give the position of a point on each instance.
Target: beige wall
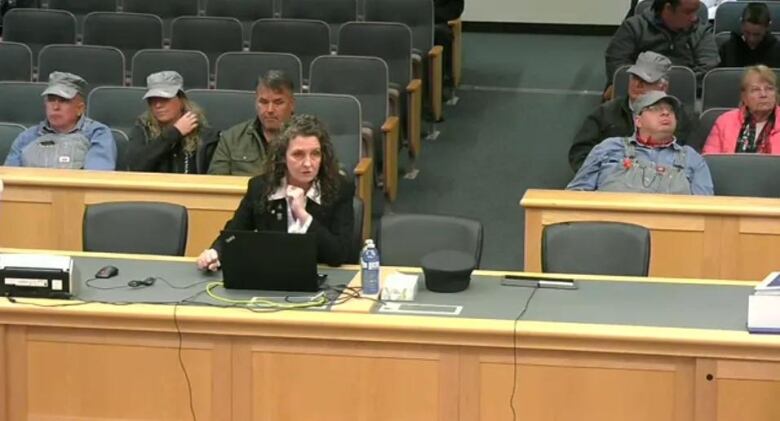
(591, 12)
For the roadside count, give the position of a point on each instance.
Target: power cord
(181, 359)
(138, 283)
(514, 351)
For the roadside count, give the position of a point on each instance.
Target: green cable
(318, 302)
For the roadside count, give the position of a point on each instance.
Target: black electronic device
(107, 272)
(267, 260)
(36, 275)
(538, 282)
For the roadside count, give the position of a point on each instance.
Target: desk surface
(638, 302)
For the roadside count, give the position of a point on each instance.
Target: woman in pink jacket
(754, 126)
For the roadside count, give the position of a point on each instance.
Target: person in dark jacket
(173, 135)
(669, 27)
(755, 44)
(614, 118)
(445, 11)
(300, 191)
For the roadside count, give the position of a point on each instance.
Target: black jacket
(164, 153)
(614, 119)
(447, 10)
(332, 223)
(735, 53)
(694, 48)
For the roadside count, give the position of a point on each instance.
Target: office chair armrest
(390, 131)
(417, 67)
(364, 180)
(414, 117)
(435, 68)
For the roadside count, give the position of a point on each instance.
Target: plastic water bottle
(369, 268)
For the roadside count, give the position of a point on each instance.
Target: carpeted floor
(522, 99)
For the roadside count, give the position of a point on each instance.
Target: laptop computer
(268, 260)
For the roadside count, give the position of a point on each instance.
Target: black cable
(514, 351)
(91, 283)
(181, 360)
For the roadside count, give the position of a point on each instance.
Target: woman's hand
(296, 199)
(209, 260)
(186, 123)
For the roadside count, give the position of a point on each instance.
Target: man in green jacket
(242, 148)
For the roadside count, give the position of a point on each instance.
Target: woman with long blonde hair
(172, 136)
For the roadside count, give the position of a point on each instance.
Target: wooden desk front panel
(34, 217)
(733, 390)
(579, 386)
(692, 237)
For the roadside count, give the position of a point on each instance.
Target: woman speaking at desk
(299, 191)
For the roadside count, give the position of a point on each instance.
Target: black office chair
(193, 66)
(404, 239)
(598, 248)
(117, 107)
(135, 227)
(239, 70)
(706, 122)
(224, 108)
(122, 142)
(752, 175)
(99, 65)
(721, 88)
(129, 32)
(39, 27)
(682, 83)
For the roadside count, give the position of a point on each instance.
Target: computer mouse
(107, 272)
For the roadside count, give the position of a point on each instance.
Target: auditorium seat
(8, 133)
(403, 239)
(246, 11)
(135, 227)
(306, 39)
(597, 248)
(366, 79)
(224, 108)
(15, 61)
(26, 108)
(682, 84)
(706, 121)
(39, 27)
(116, 106)
(745, 174)
(167, 10)
(418, 16)
(122, 140)
(129, 32)
(728, 16)
(240, 70)
(721, 88)
(392, 42)
(193, 66)
(98, 65)
(80, 9)
(333, 12)
(210, 35)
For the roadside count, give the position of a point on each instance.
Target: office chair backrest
(405, 239)
(357, 230)
(211, 35)
(390, 41)
(129, 32)
(721, 88)
(39, 27)
(306, 39)
(333, 12)
(598, 248)
(682, 83)
(122, 143)
(752, 175)
(135, 227)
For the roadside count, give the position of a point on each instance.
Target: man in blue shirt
(67, 138)
(648, 161)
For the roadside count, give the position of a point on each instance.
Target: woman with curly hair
(300, 190)
(172, 136)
